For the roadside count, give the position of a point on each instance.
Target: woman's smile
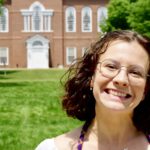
(118, 93)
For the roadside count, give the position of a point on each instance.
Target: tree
(1, 4)
(139, 17)
(128, 14)
(118, 10)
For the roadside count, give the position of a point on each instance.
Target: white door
(38, 58)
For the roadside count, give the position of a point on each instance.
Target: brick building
(47, 33)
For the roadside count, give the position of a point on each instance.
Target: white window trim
(47, 17)
(67, 54)
(66, 19)
(26, 23)
(7, 19)
(82, 13)
(7, 55)
(28, 18)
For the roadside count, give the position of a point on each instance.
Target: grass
(30, 108)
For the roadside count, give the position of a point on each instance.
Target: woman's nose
(121, 79)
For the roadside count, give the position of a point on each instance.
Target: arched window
(86, 19)
(4, 20)
(37, 44)
(101, 17)
(37, 18)
(70, 19)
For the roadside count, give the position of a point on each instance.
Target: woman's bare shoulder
(69, 139)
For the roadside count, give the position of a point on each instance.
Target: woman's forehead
(131, 52)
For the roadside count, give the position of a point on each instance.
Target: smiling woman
(121, 81)
(109, 89)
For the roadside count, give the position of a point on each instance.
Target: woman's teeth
(118, 93)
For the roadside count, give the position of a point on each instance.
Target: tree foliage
(139, 18)
(128, 14)
(1, 4)
(117, 12)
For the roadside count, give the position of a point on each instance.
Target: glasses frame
(146, 75)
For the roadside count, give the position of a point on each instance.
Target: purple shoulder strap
(148, 138)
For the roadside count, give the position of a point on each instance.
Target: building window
(71, 54)
(37, 44)
(70, 19)
(37, 18)
(86, 19)
(4, 20)
(101, 17)
(3, 56)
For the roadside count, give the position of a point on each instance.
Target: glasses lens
(109, 68)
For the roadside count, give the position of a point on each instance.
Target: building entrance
(37, 52)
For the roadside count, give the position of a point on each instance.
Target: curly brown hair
(79, 101)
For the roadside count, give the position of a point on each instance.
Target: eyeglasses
(111, 68)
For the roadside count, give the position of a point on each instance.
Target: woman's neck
(115, 128)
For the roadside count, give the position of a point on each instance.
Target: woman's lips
(118, 93)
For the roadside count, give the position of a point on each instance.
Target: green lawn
(30, 108)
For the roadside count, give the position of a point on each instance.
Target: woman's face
(120, 77)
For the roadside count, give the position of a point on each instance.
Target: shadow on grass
(3, 78)
(4, 74)
(11, 84)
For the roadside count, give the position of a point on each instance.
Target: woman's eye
(136, 73)
(111, 67)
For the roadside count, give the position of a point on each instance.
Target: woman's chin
(116, 106)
